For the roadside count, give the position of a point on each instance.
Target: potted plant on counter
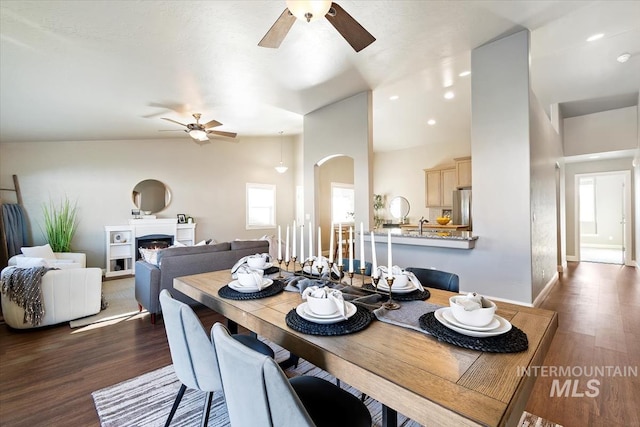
(60, 224)
(378, 203)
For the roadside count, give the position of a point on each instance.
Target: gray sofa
(177, 262)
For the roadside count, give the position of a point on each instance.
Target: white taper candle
(331, 242)
(286, 247)
(350, 249)
(293, 251)
(389, 260)
(310, 240)
(279, 243)
(374, 260)
(319, 243)
(301, 243)
(340, 244)
(361, 245)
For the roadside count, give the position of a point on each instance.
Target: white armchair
(68, 293)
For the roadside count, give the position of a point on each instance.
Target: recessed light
(595, 37)
(623, 58)
(431, 122)
(394, 97)
(464, 73)
(449, 95)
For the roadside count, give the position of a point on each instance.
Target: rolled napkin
(470, 302)
(382, 272)
(243, 261)
(257, 275)
(325, 292)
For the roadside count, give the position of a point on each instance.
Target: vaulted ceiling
(109, 70)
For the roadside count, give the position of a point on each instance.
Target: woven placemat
(360, 320)
(512, 341)
(228, 293)
(411, 296)
(271, 270)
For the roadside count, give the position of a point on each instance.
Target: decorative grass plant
(60, 223)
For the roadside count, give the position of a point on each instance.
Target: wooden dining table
(429, 381)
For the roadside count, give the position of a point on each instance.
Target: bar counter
(444, 239)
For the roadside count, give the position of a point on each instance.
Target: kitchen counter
(450, 238)
(434, 226)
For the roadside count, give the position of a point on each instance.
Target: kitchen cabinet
(439, 185)
(463, 172)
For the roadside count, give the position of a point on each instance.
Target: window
(588, 206)
(342, 203)
(261, 206)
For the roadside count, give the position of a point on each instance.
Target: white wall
(206, 182)
(612, 130)
(342, 128)
(545, 151)
(501, 167)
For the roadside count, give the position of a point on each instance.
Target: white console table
(121, 241)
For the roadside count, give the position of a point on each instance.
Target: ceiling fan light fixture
(198, 135)
(281, 168)
(309, 10)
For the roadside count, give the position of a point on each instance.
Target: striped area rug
(145, 401)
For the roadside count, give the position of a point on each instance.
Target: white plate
(236, 286)
(449, 317)
(394, 290)
(505, 326)
(304, 313)
(310, 313)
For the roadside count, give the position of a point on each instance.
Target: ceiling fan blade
(171, 120)
(278, 30)
(211, 124)
(173, 130)
(349, 28)
(222, 133)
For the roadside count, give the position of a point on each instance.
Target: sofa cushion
(248, 244)
(43, 251)
(190, 250)
(30, 262)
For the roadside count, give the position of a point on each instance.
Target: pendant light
(281, 168)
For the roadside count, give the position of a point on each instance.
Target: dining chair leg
(175, 404)
(207, 408)
(389, 417)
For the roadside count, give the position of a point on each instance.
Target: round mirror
(151, 196)
(399, 208)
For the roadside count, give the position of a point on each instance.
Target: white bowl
(257, 261)
(321, 306)
(479, 317)
(249, 279)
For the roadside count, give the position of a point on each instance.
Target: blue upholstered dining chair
(437, 279)
(251, 378)
(194, 358)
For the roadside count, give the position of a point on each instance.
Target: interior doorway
(603, 214)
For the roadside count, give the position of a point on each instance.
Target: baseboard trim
(545, 291)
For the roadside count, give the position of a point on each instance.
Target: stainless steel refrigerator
(461, 214)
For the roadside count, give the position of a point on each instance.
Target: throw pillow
(44, 251)
(149, 255)
(29, 262)
(201, 243)
(178, 244)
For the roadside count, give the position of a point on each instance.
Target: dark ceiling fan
(349, 28)
(200, 132)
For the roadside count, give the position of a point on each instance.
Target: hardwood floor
(598, 309)
(47, 375)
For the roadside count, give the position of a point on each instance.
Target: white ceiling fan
(200, 132)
